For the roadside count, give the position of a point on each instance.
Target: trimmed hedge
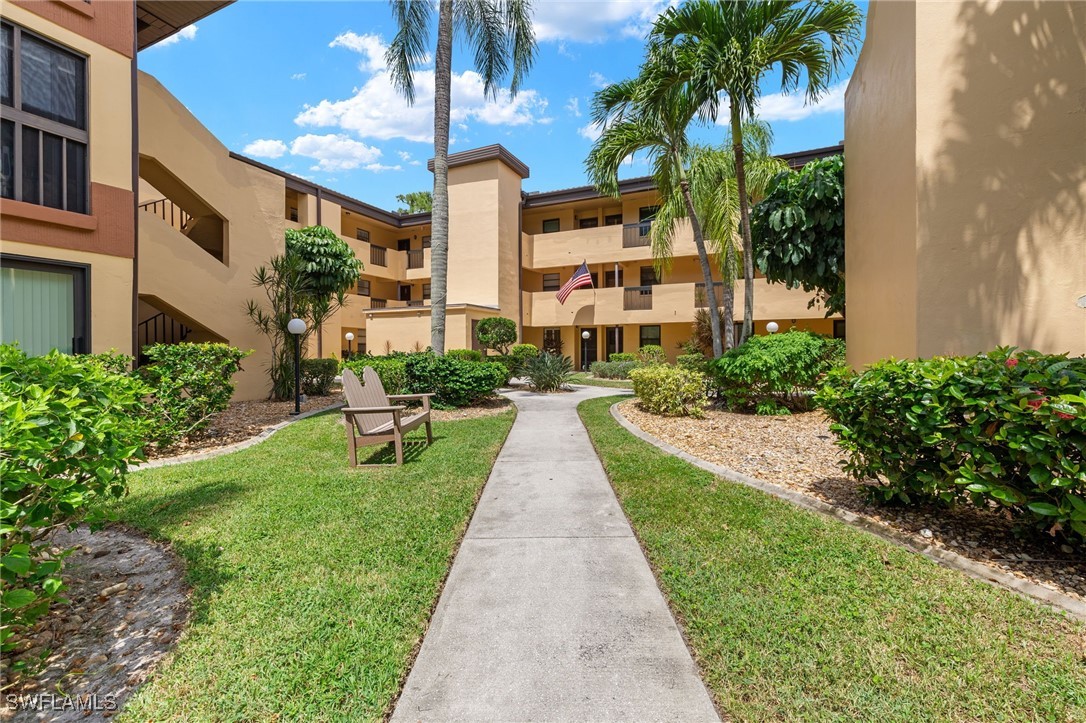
(1006, 427)
(652, 354)
(465, 354)
(392, 370)
(613, 369)
(670, 391)
(455, 382)
(693, 362)
(622, 356)
(318, 376)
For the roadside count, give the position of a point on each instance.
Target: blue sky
(302, 86)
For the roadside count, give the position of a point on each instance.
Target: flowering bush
(1006, 428)
(670, 391)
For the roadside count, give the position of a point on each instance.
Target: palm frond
(408, 48)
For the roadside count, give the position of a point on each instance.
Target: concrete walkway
(551, 612)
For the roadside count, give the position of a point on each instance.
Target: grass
(312, 583)
(592, 381)
(793, 616)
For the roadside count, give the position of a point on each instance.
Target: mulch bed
(798, 452)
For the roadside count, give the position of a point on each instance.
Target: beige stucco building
(965, 134)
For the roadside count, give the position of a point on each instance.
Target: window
(613, 219)
(403, 244)
(426, 242)
(426, 292)
(649, 335)
(552, 341)
(592, 222)
(293, 213)
(44, 305)
(551, 225)
(43, 138)
(614, 340)
(648, 276)
(552, 282)
(647, 213)
(838, 328)
(363, 287)
(362, 234)
(595, 280)
(405, 292)
(609, 279)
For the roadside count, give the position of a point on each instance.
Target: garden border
(976, 570)
(235, 447)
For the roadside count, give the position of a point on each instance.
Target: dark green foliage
(548, 372)
(465, 354)
(318, 376)
(328, 262)
(652, 354)
(497, 333)
(554, 346)
(189, 383)
(613, 369)
(622, 356)
(511, 363)
(773, 374)
(670, 391)
(71, 427)
(693, 362)
(417, 202)
(455, 382)
(798, 231)
(1005, 428)
(702, 333)
(110, 361)
(392, 371)
(524, 351)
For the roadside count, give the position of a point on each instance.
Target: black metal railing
(159, 329)
(418, 302)
(377, 255)
(637, 298)
(636, 234)
(415, 258)
(169, 212)
(701, 301)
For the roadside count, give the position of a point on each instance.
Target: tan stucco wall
(966, 180)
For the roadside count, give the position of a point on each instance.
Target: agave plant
(548, 372)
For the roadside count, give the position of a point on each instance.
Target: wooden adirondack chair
(371, 418)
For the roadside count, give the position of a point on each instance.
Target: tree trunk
(439, 229)
(729, 298)
(703, 257)
(744, 222)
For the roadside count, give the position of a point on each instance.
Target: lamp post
(297, 327)
(349, 336)
(584, 350)
(772, 327)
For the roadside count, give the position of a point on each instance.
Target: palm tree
(713, 48)
(659, 130)
(500, 35)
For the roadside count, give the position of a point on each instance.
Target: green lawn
(586, 378)
(312, 583)
(796, 617)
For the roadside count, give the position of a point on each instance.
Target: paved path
(551, 612)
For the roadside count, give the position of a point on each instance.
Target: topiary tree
(799, 232)
(497, 333)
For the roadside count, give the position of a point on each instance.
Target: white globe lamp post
(296, 327)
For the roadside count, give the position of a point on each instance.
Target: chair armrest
(410, 396)
(372, 410)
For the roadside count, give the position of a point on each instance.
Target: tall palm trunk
(703, 257)
(744, 223)
(439, 219)
(729, 298)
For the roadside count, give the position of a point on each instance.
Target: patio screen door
(42, 307)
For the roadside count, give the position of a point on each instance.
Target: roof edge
(495, 152)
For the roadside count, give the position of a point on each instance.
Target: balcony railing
(415, 258)
(378, 303)
(169, 212)
(377, 256)
(637, 298)
(416, 302)
(701, 301)
(636, 234)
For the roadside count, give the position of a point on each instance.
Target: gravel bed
(798, 452)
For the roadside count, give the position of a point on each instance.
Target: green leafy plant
(111, 361)
(670, 391)
(390, 369)
(613, 369)
(318, 376)
(417, 202)
(1006, 428)
(622, 356)
(798, 231)
(693, 362)
(465, 354)
(524, 351)
(455, 382)
(652, 354)
(497, 333)
(773, 374)
(548, 372)
(189, 383)
(71, 427)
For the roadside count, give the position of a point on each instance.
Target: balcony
(417, 264)
(701, 301)
(635, 235)
(379, 256)
(603, 244)
(415, 258)
(637, 298)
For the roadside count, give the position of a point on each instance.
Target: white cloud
(378, 168)
(265, 148)
(596, 22)
(574, 107)
(565, 52)
(335, 151)
(591, 131)
(598, 79)
(186, 33)
(298, 76)
(404, 155)
(792, 107)
(370, 46)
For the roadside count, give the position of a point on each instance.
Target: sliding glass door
(43, 305)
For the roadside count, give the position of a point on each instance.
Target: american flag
(581, 277)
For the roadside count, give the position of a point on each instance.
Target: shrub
(189, 383)
(71, 428)
(497, 333)
(524, 351)
(548, 372)
(392, 371)
(110, 361)
(318, 376)
(614, 369)
(1000, 428)
(693, 362)
(455, 382)
(465, 354)
(670, 391)
(772, 374)
(622, 356)
(511, 363)
(652, 354)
